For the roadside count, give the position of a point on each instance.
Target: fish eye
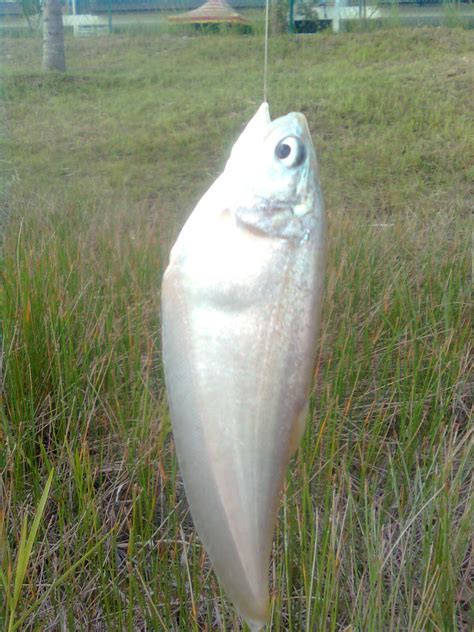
(290, 151)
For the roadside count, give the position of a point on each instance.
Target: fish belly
(238, 347)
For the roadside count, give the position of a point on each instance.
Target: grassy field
(102, 166)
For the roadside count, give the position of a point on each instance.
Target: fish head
(272, 177)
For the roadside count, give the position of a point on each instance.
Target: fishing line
(265, 62)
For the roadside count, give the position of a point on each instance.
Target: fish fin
(298, 430)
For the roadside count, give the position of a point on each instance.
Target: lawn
(100, 168)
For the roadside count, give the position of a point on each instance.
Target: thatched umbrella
(211, 12)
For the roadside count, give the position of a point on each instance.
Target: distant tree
(31, 10)
(279, 16)
(53, 36)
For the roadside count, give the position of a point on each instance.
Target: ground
(101, 166)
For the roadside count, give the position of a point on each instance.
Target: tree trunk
(53, 36)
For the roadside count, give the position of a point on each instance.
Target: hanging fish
(241, 301)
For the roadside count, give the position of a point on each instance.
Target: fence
(13, 7)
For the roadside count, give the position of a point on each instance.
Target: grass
(103, 164)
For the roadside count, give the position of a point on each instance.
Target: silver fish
(241, 302)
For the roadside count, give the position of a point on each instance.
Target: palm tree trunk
(53, 36)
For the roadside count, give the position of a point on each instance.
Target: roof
(212, 11)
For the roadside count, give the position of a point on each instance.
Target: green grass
(103, 165)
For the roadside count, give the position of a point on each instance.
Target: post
(291, 17)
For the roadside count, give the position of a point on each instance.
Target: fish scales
(241, 302)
